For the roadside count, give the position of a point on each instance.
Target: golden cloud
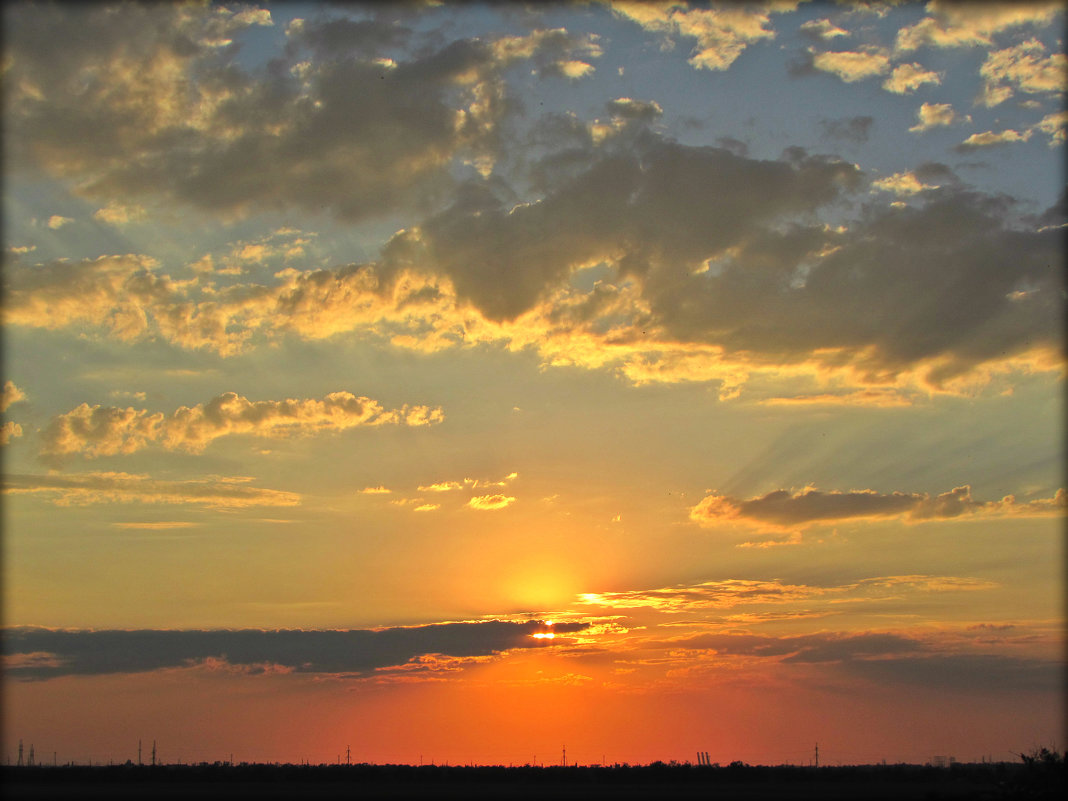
(729, 593)
(108, 430)
(490, 502)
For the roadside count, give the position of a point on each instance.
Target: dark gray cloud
(149, 100)
(785, 508)
(655, 208)
(885, 658)
(37, 653)
(848, 129)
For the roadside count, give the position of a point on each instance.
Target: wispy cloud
(107, 430)
(83, 489)
(786, 509)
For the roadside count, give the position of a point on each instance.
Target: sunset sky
(350, 351)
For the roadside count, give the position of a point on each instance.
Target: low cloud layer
(107, 430)
(37, 653)
(785, 509)
(728, 593)
(83, 489)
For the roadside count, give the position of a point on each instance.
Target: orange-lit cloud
(737, 592)
(105, 430)
(785, 509)
(908, 77)
(9, 395)
(83, 489)
(852, 66)
(971, 24)
(721, 34)
(1022, 68)
(490, 502)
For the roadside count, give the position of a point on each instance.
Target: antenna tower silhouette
(153, 753)
(817, 755)
(564, 755)
(19, 763)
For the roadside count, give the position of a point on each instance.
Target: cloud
(10, 395)
(379, 490)
(115, 213)
(902, 183)
(969, 24)
(490, 502)
(849, 129)
(158, 525)
(83, 489)
(55, 222)
(715, 269)
(108, 430)
(933, 115)
(353, 652)
(1022, 68)
(722, 34)
(9, 431)
(345, 119)
(729, 593)
(909, 77)
(823, 28)
(852, 66)
(784, 509)
(427, 507)
(1054, 126)
(990, 139)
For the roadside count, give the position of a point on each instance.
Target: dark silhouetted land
(1032, 780)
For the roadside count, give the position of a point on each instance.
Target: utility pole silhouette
(139, 762)
(564, 757)
(348, 757)
(817, 755)
(153, 753)
(19, 763)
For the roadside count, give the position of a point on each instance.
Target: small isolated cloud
(9, 431)
(1054, 126)
(115, 213)
(9, 395)
(852, 66)
(427, 507)
(822, 28)
(785, 509)
(56, 222)
(992, 139)
(490, 502)
(108, 430)
(83, 489)
(908, 77)
(627, 108)
(934, 115)
(902, 183)
(1023, 68)
(379, 490)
